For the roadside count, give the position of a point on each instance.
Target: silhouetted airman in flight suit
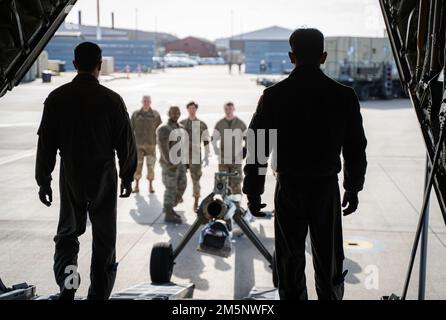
(88, 124)
(317, 119)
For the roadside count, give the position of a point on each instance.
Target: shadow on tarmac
(146, 212)
(245, 254)
(189, 264)
(352, 266)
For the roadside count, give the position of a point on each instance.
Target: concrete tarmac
(378, 237)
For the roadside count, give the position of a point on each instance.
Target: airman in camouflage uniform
(230, 160)
(173, 171)
(144, 124)
(198, 132)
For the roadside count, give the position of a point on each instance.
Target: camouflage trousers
(175, 181)
(235, 183)
(195, 174)
(147, 152)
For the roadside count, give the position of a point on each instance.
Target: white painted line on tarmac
(18, 156)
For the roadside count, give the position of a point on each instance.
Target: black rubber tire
(274, 271)
(161, 263)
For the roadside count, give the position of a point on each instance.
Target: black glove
(350, 199)
(46, 195)
(255, 205)
(126, 189)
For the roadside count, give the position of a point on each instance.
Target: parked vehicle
(179, 60)
(212, 61)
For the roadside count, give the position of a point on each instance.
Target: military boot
(171, 216)
(176, 214)
(136, 188)
(151, 190)
(196, 199)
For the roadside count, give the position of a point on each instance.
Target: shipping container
(364, 63)
(356, 52)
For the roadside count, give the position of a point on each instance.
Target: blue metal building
(267, 57)
(125, 52)
(266, 50)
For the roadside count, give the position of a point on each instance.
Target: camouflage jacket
(165, 144)
(236, 127)
(144, 125)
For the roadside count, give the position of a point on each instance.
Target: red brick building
(193, 46)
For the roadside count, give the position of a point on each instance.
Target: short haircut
(229, 103)
(192, 103)
(87, 55)
(307, 44)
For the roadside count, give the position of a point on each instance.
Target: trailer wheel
(274, 271)
(161, 263)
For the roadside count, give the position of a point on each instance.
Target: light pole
(136, 23)
(98, 27)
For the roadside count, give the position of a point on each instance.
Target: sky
(213, 19)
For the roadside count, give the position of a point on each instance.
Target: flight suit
(230, 151)
(195, 164)
(317, 119)
(173, 175)
(144, 125)
(88, 124)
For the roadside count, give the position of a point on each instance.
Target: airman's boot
(151, 190)
(196, 202)
(136, 188)
(171, 216)
(176, 214)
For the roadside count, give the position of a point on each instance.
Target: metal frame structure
(237, 215)
(416, 30)
(35, 23)
(238, 218)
